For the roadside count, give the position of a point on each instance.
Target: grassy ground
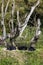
(21, 57)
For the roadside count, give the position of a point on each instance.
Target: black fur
(31, 49)
(22, 48)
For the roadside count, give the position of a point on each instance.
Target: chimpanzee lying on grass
(31, 49)
(22, 48)
(11, 47)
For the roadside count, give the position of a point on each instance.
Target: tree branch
(7, 6)
(37, 34)
(28, 17)
(19, 24)
(12, 16)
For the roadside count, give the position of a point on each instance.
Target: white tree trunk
(3, 24)
(3, 17)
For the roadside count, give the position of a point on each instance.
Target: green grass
(21, 57)
(8, 61)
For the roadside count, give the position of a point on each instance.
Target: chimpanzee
(31, 48)
(11, 47)
(22, 48)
